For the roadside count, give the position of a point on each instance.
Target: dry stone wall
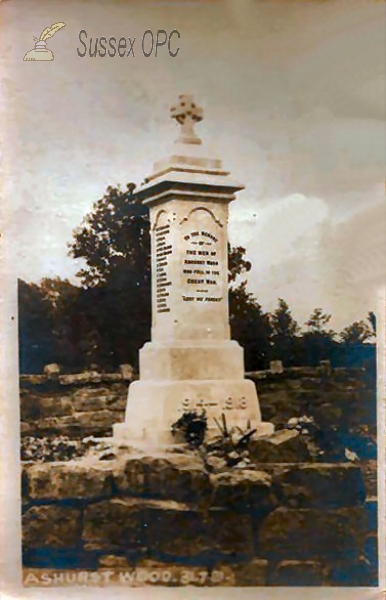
(271, 524)
(287, 519)
(89, 404)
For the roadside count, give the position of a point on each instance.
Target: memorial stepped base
(189, 375)
(152, 404)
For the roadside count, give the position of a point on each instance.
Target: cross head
(187, 114)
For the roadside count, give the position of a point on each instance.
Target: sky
(294, 103)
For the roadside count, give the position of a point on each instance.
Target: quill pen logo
(41, 52)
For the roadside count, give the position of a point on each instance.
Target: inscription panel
(163, 252)
(201, 266)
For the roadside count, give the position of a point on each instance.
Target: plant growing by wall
(232, 443)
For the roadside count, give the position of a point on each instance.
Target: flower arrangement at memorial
(229, 447)
(193, 426)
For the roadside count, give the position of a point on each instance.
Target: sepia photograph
(193, 245)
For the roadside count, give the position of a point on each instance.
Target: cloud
(300, 253)
(293, 96)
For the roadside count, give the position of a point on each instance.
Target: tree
(356, 333)
(237, 264)
(114, 242)
(317, 322)
(250, 326)
(371, 317)
(318, 343)
(57, 292)
(284, 333)
(114, 238)
(78, 342)
(36, 339)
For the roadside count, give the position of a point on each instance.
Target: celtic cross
(187, 114)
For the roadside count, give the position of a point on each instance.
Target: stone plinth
(191, 363)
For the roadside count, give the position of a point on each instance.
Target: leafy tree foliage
(283, 323)
(317, 323)
(36, 339)
(76, 338)
(285, 331)
(237, 264)
(113, 239)
(371, 317)
(250, 326)
(356, 333)
(318, 341)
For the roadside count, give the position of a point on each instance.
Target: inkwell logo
(41, 52)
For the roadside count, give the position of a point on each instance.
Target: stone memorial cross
(190, 364)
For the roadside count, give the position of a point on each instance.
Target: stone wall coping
(81, 379)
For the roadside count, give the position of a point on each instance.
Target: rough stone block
(180, 477)
(252, 573)
(371, 506)
(369, 472)
(304, 400)
(321, 485)
(126, 371)
(371, 549)
(297, 573)
(232, 533)
(115, 524)
(311, 383)
(24, 485)
(52, 370)
(80, 378)
(311, 534)
(51, 526)
(325, 367)
(95, 399)
(26, 428)
(357, 573)
(59, 481)
(274, 396)
(30, 409)
(51, 424)
(115, 401)
(55, 406)
(26, 380)
(285, 446)
(112, 561)
(293, 385)
(276, 366)
(300, 372)
(115, 378)
(82, 424)
(177, 530)
(242, 490)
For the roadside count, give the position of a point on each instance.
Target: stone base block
(153, 406)
(188, 360)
